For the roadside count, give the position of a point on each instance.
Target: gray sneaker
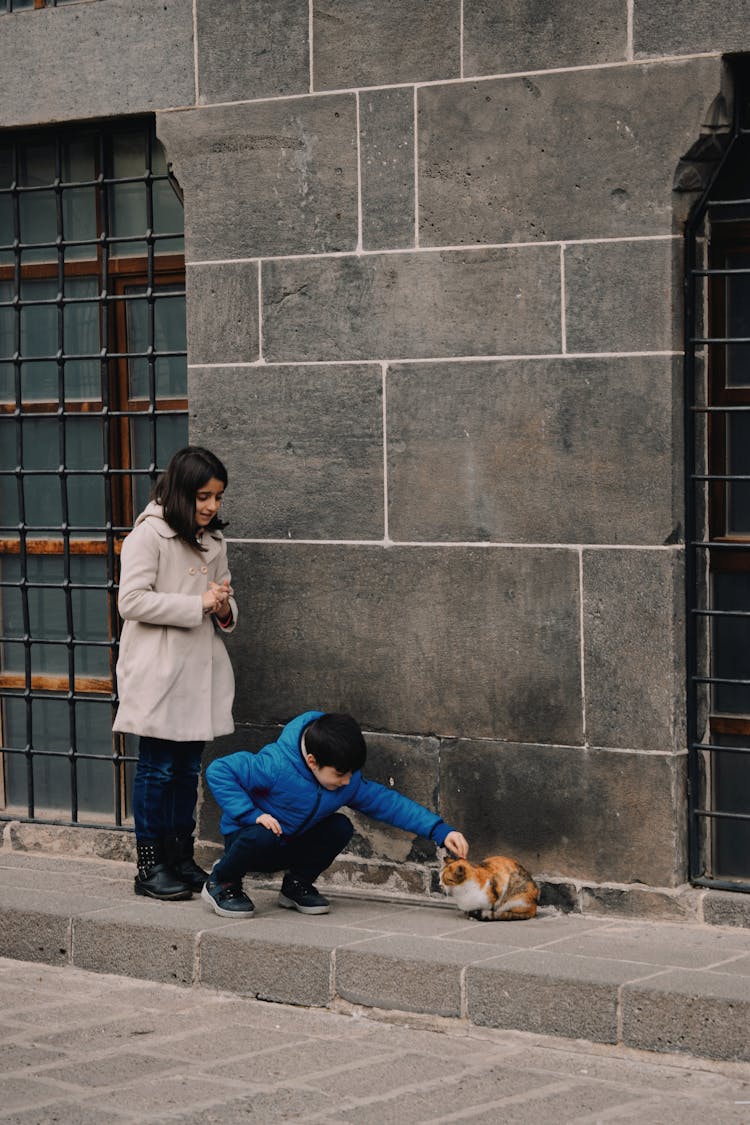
(227, 899)
(296, 895)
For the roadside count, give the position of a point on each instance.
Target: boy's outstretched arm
(457, 843)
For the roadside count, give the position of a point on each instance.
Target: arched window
(93, 389)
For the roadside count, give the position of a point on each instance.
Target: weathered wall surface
(434, 322)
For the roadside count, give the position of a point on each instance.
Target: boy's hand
(457, 844)
(269, 822)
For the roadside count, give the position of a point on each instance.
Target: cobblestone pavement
(81, 1048)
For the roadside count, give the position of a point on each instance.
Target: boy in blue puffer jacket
(280, 812)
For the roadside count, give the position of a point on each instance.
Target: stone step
(656, 986)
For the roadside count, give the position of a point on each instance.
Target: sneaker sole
(290, 904)
(213, 904)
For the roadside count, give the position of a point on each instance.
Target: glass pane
(79, 203)
(39, 381)
(128, 214)
(38, 209)
(8, 485)
(7, 343)
(738, 462)
(738, 321)
(41, 451)
(167, 206)
(85, 450)
(171, 435)
(731, 776)
(6, 204)
(81, 337)
(52, 774)
(731, 643)
(169, 335)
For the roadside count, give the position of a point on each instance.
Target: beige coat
(174, 676)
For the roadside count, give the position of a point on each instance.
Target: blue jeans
(255, 848)
(165, 788)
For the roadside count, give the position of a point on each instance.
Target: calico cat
(498, 889)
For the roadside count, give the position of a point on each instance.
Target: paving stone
(516, 35)
(532, 451)
(305, 454)
(412, 305)
(384, 42)
(251, 49)
(584, 154)
(119, 59)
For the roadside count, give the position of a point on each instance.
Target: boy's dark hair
(188, 471)
(336, 740)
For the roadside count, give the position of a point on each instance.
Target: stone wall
(434, 327)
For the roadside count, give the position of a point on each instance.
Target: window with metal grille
(93, 386)
(718, 506)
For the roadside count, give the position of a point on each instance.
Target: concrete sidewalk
(656, 986)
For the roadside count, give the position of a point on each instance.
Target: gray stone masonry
(673, 989)
(433, 258)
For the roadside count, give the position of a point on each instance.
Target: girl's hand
(457, 844)
(210, 601)
(269, 822)
(221, 593)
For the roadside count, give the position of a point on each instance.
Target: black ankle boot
(178, 852)
(154, 878)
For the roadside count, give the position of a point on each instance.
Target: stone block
(412, 639)
(569, 813)
(412, 974)
(584, 154)
(623, 296)
(397, 880)
(516, 35)
(548, 994)
(384, 42)
(114, 50)
(386, 134)
(251, 49)
(673, 28)
(31, 934)
(633, 649)
(222, 313)
(276, 177)
(532, 451)
(153, 941)
(637, 902)
(649, 944)
(463, 303)
(304, 452)
(691, 1012)
(253, 960)
(726, 908)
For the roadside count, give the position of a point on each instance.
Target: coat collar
(154, 513)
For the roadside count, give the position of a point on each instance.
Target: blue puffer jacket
(277, 780)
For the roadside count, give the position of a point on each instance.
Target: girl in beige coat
(174, 677)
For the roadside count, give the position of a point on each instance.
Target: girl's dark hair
(336, 740)
(188, 471)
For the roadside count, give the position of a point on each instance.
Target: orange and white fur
(497, 890)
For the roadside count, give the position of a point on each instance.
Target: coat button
(204, 570)
(191, 570)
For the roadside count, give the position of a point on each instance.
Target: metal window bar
(709, 811)
(110, 412)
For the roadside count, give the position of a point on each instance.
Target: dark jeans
(257, 849)
(165, 788)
